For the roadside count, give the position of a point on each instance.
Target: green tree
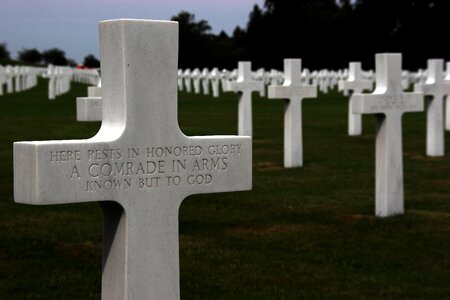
(417, 28)
(71, 62)
(55, 56)
(31, 56)
(4, 53)
(91, 61)
(195, 41)
(301, 28)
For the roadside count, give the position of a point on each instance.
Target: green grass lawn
(301, 233)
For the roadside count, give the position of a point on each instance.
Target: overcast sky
(72, 25)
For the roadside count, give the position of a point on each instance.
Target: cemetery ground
(300, 233)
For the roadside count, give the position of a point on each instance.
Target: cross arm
(352, 85)
(254, 86)
(224, 165)
(432, 89)
(290, 92)
(54, 172)
(383, 103)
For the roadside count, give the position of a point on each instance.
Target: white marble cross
(276, 77)
(214, 76)
(196, 80)
(224, 79)
(447, 98)
(17, 79)
(205, 81)
(437, 88)
(180, 80)
(9, 79)
(406, 80)
(187, 80)
(356, 84)
(295, 91)
(388, 102)
(3, 77)
(51, 74)
(245, 85)
(139, 166)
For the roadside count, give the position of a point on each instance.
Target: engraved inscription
(393, 102)
(146, 167)
(65, 156)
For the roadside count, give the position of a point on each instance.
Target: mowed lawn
(300, 233)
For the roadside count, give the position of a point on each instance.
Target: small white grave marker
(187, 80)
(245, 85)
(356, 84)
(2, 78)
(89, 109)
(295, 91)
(205, 81)
(10, 77)
(17, 79)
(196, 79)
(140, 166)
(447, 98)
(51, 74)
(224, 79)
(180, 80)
(436, 87)
(214, 76)
(95, 91)
(388, 102)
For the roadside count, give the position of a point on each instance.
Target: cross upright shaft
(357, 85)
(295, 91)
(245, 85)
(140, 165)
(388, 102)
(437, 88)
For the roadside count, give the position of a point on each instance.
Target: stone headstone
(89, 109)
(447, 98)
(196, 80)
(17, 79)
(306, 76)
(406, 80)
(51, 75)
(2, 78)
(354, 84)
(224, 79)
(436, 88)
(295, 91)
(95, 91)
(139, 166)
(87, 76)
(276, 77)
(245, 86)
(263, 76)
(180, 80)
(205, 81)
(388, 102)
(9, 80)
(215, 77)
(324, 81)
(187, 80)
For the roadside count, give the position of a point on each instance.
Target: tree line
(324, 33)
(54, 56)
